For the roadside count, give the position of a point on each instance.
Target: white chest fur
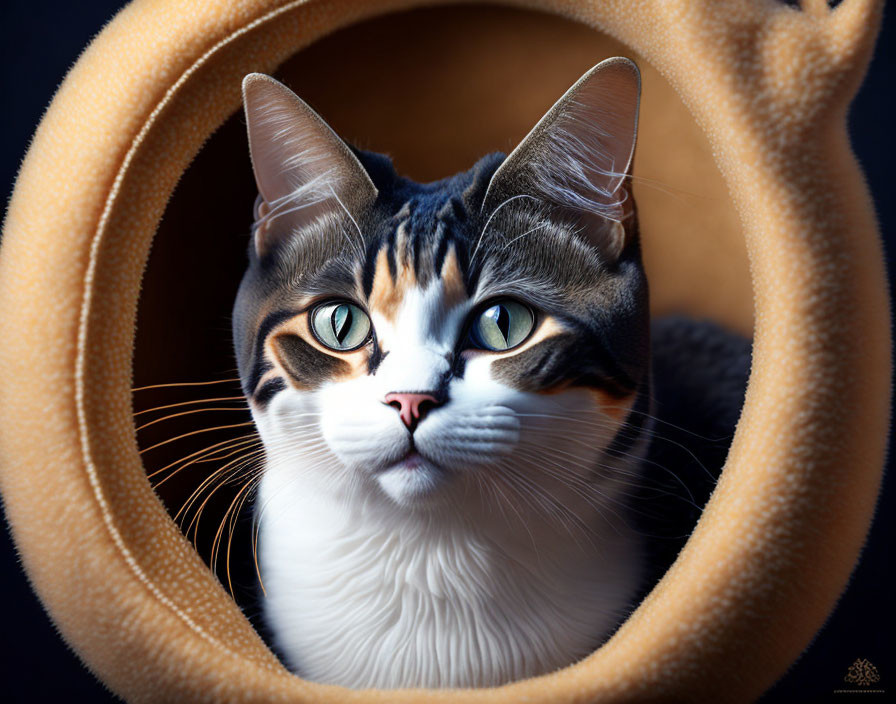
(362, 595)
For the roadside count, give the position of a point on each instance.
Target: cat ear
(579, 154)
(302, 168)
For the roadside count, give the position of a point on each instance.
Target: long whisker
(189, 403)
(256, 525)
(214, 476)
(233, 449)
(615, 469)
(188, 413)
(195, 432)
(253, 483)
(185, 383)
(557, 470)
(247, 437)
(651, 433)
(194, 523)
(216, 543)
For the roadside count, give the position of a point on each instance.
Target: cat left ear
(579, 154)
(302, 168)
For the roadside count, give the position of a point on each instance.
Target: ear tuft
(302, 168)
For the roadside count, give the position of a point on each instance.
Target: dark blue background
(41, 39)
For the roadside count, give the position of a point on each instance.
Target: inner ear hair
(302, 168)
(578, 157)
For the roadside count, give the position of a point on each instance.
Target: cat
(452, 383)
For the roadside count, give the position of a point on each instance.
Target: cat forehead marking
(388, 292)
(454, 289)
(394, 280)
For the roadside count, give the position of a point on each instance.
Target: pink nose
(411, 407)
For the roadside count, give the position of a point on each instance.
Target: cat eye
(340, 325)
(502, 326)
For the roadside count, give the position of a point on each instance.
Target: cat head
(405, 341)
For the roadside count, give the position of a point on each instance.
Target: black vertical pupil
(341, 328)
(502, 320)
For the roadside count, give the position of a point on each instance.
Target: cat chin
(413, 481)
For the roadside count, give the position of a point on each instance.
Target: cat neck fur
(365, 595)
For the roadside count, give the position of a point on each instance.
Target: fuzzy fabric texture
(769, 84)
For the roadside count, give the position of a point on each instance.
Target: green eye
(503, 325)
(340, 326)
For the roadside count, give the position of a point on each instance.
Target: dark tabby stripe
(259, 365)
(563, 359)
(268, 390)
(308, 367)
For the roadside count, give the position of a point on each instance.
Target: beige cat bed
(770, 166)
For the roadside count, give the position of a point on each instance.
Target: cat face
(416, 342)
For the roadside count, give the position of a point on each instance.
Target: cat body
(451, 382)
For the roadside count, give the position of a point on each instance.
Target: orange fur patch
(453, 280)
(387, 293)
(613, 406)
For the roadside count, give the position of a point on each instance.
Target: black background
(40, 40)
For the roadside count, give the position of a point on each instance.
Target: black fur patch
(699, 373)
(308, 366)
(561, 360)
(261, 366)
(268, 390)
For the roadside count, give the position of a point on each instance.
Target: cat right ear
(302, 168)
(579, 155)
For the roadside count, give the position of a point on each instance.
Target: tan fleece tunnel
(769, 86)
